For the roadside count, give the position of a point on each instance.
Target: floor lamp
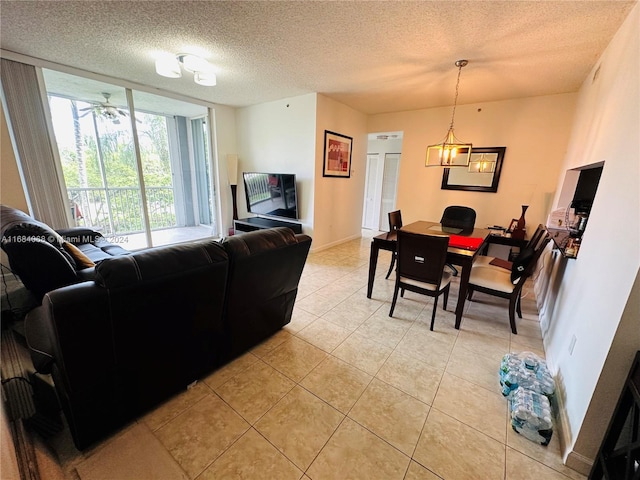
(232, 172)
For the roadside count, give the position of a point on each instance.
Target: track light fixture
(170, 66)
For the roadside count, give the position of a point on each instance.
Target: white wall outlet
(572, 344)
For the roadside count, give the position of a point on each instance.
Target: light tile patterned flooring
(345, 392)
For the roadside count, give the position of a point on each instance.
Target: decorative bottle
(520, 231)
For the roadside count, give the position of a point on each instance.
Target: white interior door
(389, 188)
(370, 211)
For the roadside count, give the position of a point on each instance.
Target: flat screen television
(271, 194)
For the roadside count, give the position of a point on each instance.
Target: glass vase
(520, 230)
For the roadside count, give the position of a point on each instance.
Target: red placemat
(468, 243)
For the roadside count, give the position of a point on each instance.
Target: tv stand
(244, 225)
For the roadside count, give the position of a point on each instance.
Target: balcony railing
(118, 211)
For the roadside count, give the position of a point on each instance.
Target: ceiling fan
(106, 109)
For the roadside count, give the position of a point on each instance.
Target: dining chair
(395, 222)
(458, 217)
(421, 260)
(490, 262)
(503, 283)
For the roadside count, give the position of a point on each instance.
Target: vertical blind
(26, 114)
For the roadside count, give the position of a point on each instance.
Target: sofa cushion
(109, 249)
(92, 243)
(101, 250)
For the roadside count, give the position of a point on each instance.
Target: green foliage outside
(81, 169)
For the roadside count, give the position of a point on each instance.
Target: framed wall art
(337, 155)
(482, 174)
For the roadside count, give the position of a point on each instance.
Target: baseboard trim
(579, 463)
(571, 459)
(334, 244)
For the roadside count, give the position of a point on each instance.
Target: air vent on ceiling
(386, 137)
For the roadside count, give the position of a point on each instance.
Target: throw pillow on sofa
(82, 261)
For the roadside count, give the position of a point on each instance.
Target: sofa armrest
(79, 235)
(72, 329)
(38, 333)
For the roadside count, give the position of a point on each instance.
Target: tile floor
(344, 392)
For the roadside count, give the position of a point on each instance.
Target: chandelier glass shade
(450, 152)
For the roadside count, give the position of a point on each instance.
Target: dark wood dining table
(457, 256)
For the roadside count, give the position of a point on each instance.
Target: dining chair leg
(433, 314)
(518, 307)
(454, 270)
(512, 315)
(446, 296)
(395, 298)
(402, 292)
(469, 292)
(393, 262)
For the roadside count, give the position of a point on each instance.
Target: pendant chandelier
(450, 152)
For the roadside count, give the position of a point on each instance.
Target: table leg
(462, 293)
(373, 262)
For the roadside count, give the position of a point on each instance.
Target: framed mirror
(482, 174)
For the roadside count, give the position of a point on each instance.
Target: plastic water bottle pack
(526, 381)
(531, 415)
(526, 370)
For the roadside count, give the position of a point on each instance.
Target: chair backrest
(526, 255)
(422, 257)
(537, 236)
(395, 220)
(456, 216)
(531, 262)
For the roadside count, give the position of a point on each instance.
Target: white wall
(280, 137)
(225, 143)
(587, 296)
(338, 202)
(535, 131)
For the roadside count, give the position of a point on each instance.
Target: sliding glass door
(143, 183)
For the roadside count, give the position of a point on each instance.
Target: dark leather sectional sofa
(154, 321)
(37, 255)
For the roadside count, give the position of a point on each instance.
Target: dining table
(464, 247)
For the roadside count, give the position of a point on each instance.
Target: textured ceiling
(373, 56)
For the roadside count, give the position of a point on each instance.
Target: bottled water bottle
(531, 415)
(526, 370)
